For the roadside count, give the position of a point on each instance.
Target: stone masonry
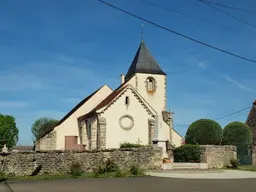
(94, 135)
(218, 156)
(254, 155)
(56, 162)
(102, 133)
(48, 142)
(151, 129)
(167, 118)
(84, 135)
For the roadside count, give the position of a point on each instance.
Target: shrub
(136, 170)
(76, 170)
(204, 132)
(107, 167)
(120, 173)
(130, 145)
(234, 163)
(187, 153)
(110, 166)
(2, 176)
(237, 133)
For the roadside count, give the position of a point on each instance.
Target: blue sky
(53, 53)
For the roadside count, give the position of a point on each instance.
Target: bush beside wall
(187, 153)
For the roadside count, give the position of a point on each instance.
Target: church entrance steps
(175, 166)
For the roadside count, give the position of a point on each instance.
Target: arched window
(151, 84)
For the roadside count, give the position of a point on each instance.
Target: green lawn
(247, 167)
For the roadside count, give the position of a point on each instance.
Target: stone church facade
(108, 118)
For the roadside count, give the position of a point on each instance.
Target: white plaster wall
(156, 99)
(70, 126)
(166, 129)
(177, 139)
(115, 135)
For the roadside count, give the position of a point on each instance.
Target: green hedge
(187, 153)
(130, 145)
(237, 133)
(204, 132)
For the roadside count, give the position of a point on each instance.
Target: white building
(107, 117)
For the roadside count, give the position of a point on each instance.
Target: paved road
(142, 184)
(212, 174)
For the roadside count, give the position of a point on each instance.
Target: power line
(232, 16)
(231, 7)
(223, 117)
(233, 113)
(180, 13)
(177, 33)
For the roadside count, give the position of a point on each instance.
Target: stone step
(171, 166)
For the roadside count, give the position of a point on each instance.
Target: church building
(131, 113)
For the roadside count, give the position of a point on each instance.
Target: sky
(53, 53)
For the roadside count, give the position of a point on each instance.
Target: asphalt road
(142, 184)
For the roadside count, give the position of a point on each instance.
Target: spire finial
(142, 33)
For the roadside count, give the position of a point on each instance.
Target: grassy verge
(247, 167)
(68, 176)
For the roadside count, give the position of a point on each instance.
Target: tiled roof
(22, 148)
(144, 62)
(73, 110)
(105, 102)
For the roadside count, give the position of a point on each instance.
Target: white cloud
(241, 86)
(12, 104)
(14, 81)
(202, 64)
(53, 75)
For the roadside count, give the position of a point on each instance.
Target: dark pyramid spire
(144, 62)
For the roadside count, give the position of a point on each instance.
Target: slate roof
(251, 121)
(144, 62)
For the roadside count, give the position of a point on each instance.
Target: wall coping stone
(83, 151)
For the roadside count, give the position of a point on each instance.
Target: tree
(9, 133)
(237, 133)
(204, 132)
(42, 126)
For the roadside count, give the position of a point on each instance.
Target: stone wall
(218, 156)
(254, 155)
(47, 142)
(54, 162)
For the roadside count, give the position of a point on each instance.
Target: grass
(47, 177)
(247, 167)
(69, 176)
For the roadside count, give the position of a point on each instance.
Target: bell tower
(150, 79)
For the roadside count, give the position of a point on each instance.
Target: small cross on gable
(138, 141)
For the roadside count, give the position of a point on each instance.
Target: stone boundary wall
(56, 162)
(254, 155)
(218, 156)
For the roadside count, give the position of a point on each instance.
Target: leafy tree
(236, 133)
(9, 133)
(204, 132)
(41, 126)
